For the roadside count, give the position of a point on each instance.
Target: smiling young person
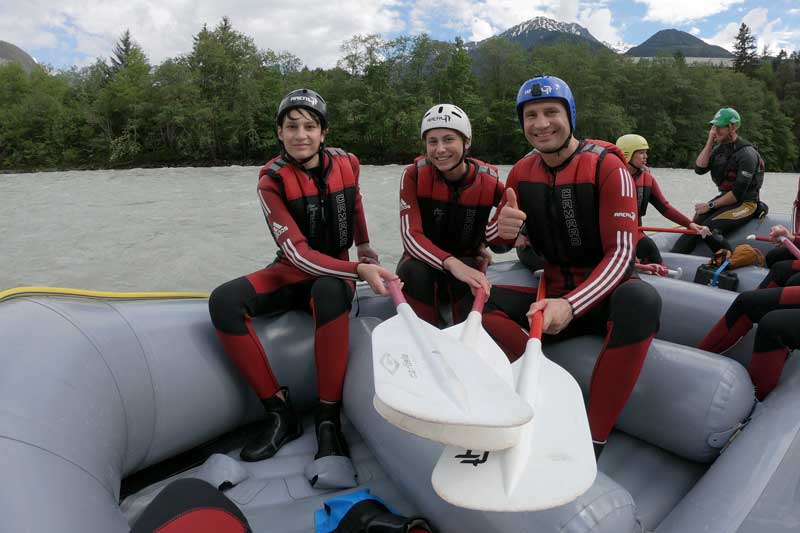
(446, 198)
(635, 149)
(578, 203)
(312, 204)
(737, 170)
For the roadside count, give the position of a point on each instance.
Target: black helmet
(305, 98)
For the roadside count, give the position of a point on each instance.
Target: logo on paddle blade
(472, 459)
(389, 363)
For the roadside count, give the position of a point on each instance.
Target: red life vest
(454, 215)
(325, 217)
(561, 205)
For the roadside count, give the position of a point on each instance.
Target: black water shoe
(281, 425)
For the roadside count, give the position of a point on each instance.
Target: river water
(191, 229)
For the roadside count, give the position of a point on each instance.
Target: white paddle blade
(471, 333)
(407, 380)
(485, 438)
(552, 465)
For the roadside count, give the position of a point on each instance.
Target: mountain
(670, 42)
(542, 31)
(10, 53)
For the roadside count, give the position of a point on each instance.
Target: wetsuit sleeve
(360, 231)
(704, 170)
(291, 240)
(617, 221)
(747, 166)
(415, 243)
(492, 234)
(660, 202)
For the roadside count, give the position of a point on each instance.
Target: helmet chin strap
(463, 158)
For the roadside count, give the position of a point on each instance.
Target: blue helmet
(542, 87)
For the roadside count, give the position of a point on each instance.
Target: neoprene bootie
(331, 468)
(328, 424)
(281, 425)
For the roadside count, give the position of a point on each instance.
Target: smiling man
(578, 204)
(738, 172)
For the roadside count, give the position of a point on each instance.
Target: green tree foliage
(217, 102)
(745, 58)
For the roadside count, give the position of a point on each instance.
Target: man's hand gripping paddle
(430, 384)
(552, 464)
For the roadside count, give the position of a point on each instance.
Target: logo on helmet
(310, 99)
(439, 118)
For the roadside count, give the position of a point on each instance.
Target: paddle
(429, 384)
(783, 240)
(554, 461)
(471, 334)
(669, 230)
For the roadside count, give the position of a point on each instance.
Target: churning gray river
(191, 229)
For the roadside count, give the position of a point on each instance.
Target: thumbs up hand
(511, 218)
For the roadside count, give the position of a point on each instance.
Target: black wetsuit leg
(647, 251)
(724, 220)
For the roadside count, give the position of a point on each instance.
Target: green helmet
(726, 116)
(630, 143)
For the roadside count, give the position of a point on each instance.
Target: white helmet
(446, 116)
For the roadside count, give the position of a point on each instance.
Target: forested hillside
(216, 104)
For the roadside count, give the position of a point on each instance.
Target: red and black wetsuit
(777, 313)
(314, 218)
(648, 192)
(582, 218)
(439, 219)
(191, 505)
(735, 167)
(784, 268)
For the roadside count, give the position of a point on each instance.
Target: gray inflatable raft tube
(93, 391)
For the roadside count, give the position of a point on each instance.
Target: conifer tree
(745, 57)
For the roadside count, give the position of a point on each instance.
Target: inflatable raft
(101, 397)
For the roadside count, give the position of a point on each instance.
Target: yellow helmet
(630, 143)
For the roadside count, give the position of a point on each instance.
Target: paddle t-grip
(395, 292)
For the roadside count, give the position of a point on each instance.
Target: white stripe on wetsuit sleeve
(492, 231)
(304, 264)
(264, 204)
(610, 275)
(626, 183)
(414, 248)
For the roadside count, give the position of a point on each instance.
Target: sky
(76, 32)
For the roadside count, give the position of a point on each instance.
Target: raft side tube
(686, 401)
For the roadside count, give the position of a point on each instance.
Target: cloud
(473, 19)
(695, 30)
(478, 19)
(681, 11)
(766, 32)
(599, 22)
(313, 30)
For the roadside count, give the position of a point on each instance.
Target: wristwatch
(711, 204)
